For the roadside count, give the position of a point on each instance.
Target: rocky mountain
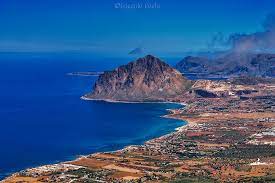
(146, 79)
(233, 64)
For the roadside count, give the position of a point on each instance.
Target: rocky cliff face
(262, 65)
(146, 79)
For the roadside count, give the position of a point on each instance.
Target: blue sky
(96, 26)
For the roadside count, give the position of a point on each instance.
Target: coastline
(169, 115)
(80, 157)
(200, 150)
(132, 102)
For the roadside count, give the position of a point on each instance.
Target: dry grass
(19, 179)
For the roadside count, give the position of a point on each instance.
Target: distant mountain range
(146, 79)
(232, 64)
(137, 51)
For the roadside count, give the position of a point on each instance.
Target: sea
(44, 121)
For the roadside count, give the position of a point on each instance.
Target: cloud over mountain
(263, 41)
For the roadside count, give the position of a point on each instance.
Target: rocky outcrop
(204, 93)
(146, 79)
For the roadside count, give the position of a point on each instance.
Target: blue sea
(43, 120)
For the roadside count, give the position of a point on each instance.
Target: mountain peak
(149, 57)
(150, 60)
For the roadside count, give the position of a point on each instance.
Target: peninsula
(230, 135)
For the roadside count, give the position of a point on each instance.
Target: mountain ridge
(231, 65)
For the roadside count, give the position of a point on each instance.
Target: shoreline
(168, 116)
(215, 132)
(79, 157)
(207, 138)
(132, 102)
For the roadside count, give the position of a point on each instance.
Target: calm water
(44, 121)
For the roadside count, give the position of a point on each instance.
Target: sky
(115, 27)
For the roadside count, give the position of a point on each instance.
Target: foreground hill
(261, 65)
(146, 79)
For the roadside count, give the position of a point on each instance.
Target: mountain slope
(233, 64)
(146, 79)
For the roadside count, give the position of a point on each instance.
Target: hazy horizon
(117, 27)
